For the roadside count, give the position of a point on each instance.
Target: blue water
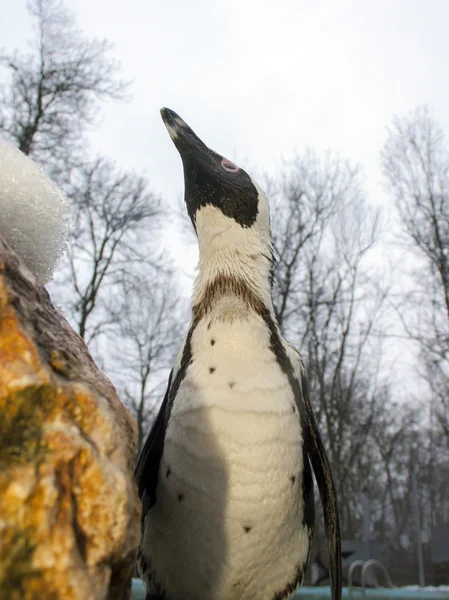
(323, 593)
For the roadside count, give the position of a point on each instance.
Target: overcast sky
(258, 80)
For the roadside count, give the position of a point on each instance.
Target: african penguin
(225, 475)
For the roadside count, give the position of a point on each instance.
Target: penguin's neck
(232, 282)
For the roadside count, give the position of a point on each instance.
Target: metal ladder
(366, 565)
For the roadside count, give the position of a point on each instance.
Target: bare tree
(114, 264)
(147, 314)
(329, 304)
(304, 197)
(51, 99)
(113, 236)
(394, 434)
(116, 285)
(415, 162)
(53, 92)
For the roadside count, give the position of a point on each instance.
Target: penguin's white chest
(227, 523)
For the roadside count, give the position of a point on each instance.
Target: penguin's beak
(209, 178)
(184, 138)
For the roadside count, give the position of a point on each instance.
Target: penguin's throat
(236, 278)
(229, 296)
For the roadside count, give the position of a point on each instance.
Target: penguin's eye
(229, 166)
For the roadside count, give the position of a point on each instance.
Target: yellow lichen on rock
(69, 512)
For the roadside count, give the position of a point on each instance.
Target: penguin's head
(227, 208)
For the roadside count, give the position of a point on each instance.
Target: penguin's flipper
(146, 469)
(317, 455)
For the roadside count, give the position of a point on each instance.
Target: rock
(69, 510)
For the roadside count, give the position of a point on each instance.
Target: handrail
(352, 566)
(375, 563)
(367, 564)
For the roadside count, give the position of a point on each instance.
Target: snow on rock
(34, 212)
